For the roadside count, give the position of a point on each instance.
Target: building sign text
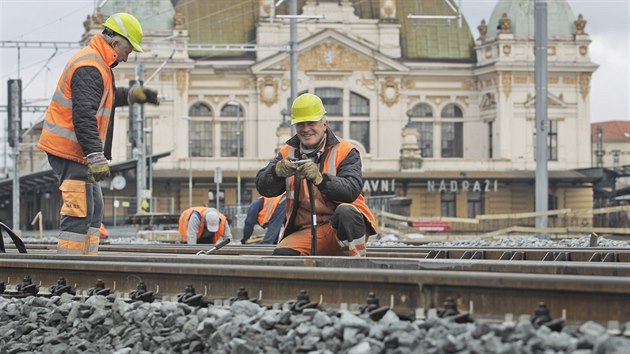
(486, 185)
(379, 186)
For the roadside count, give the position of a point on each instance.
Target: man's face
(311, 133)
(123, 49)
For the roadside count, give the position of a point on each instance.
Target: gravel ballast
(65, 325)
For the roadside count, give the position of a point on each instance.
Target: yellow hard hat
(127, 26)
(307, 108)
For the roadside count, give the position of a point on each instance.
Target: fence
(560, 221)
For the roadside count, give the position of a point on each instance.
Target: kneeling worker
(344, 221)
(203, 225)
(269, 213)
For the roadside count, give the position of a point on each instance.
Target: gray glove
(286, 167)
(98, 167)
(143, 95)
(311, 172)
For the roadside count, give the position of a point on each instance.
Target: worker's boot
(71, 243)
(91, 242)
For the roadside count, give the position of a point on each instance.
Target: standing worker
(344, 221)
(79, 125)
(203, 225)
(269, 213)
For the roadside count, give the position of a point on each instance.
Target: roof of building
(614, 130)
(426, 39)
(157, 17)
(234, 22)
(560, 18)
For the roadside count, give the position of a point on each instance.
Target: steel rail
(600, 297)
(586, 254)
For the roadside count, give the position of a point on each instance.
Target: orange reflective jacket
(336, 154)
(185, 217)
(269, 206)
(58, 136)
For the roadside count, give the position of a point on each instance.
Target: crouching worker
(269, 213)
(203, 225)
(79, 125)
(344, 222)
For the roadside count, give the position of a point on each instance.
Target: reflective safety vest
(182, 226)
(58, 135)
(335, 155)
(269, 207)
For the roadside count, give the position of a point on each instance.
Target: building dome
(223, 21)
(426, 40)
(560, 18)
(153, 15)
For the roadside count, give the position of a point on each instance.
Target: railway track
(588, 254)
(576, 284)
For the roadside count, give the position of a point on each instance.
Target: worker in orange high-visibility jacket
(270, 214)
(79, 125)
(343, 220)
(203, 225)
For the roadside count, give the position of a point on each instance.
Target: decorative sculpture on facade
(265, 8)
(390, 91)
(268, 90)
(580, 23)
(388, 9)
(483, 30)
(504, 24)
(179, 20)
(97, 19)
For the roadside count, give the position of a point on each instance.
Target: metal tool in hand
(216, 247)
(302, 162)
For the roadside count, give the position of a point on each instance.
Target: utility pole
(542, 183)
(293, 48)
(141, 168)
(14, 130)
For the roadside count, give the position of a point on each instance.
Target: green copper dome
(154, 15)
(229, 21)
(234, 22)
(427, 40)
(560, 18)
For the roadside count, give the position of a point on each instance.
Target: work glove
(98, 167)
(286, 167)
(310, 171)
(142, 95)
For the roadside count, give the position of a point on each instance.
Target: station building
(440, 114)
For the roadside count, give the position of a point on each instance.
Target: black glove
(286, 167)
(310, 171)
(142, 95)
(98, 167)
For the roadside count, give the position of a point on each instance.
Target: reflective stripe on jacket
(58, 134)
(324, 207)
(269, 206)
(182, 226)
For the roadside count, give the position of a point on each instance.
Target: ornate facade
(438, 117)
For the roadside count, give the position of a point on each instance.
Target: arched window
(200, 130)
(359, 105)
(452, 131)
(421, 116)
(232, 130)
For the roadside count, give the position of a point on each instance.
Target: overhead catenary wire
(41, 69)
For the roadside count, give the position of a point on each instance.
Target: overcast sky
(62, 20)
